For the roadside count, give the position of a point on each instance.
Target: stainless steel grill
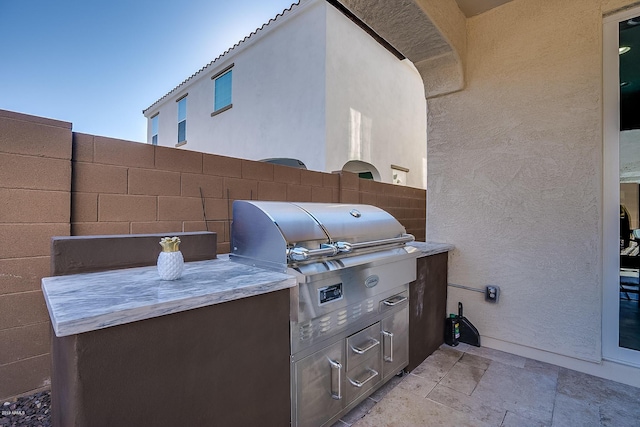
(349, 312)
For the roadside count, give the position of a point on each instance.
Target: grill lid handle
(372, 243)
(303, 254)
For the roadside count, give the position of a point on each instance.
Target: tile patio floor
(470, 386)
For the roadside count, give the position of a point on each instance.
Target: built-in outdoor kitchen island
(215, 346)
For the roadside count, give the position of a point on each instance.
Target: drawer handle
(336, 366)
(389, 335)
(393, 301)
(372, 374)
(364, 350)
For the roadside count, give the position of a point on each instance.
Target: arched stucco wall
(430, 33)
(356, 166)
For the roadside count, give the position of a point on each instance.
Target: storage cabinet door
(320, 386)
(395, 342)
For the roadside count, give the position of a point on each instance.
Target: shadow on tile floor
(477, 387)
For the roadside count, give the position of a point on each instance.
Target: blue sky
(98, 64)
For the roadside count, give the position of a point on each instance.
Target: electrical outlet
(492, 293)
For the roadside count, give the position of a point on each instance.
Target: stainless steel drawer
(363, 345)
(362, 378)
(396, 301)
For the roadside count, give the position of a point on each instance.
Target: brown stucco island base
(129, 349)
(222, 365)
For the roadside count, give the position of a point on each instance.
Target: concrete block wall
(55, 182)
(35, 178)
(122, 187)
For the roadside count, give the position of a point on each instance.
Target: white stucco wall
(376, 111)
(278, 95)
(313, 86)
(515, 170)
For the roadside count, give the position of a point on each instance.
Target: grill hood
(278, 235)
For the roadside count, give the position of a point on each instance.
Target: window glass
(154, 130)
(182, 120)
(222, 91)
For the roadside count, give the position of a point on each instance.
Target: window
(154, 130)
(222, 88)
(182, 119)
(222, 91)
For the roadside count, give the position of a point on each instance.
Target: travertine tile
(515, 420)
(436, 366)
(482, 409)
(463, 378)
(572, 412)
(517, 390)
(612, 415)
(417, 385)
(542, 368)
(619, 403)
(620, 409)
(513, 391)
(592, 389)
(477, 361)
(499, 356)
(401, 408)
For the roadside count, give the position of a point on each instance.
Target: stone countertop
(86, 302)
(431, 248)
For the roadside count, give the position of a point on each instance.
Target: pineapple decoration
(170, 260)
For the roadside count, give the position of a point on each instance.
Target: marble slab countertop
(86, 302)
(431, 248)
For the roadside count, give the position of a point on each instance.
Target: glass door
(621, 196)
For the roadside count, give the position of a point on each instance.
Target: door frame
(611, 192)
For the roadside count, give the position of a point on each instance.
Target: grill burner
(349, 312)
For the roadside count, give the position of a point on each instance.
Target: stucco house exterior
(309, 85)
